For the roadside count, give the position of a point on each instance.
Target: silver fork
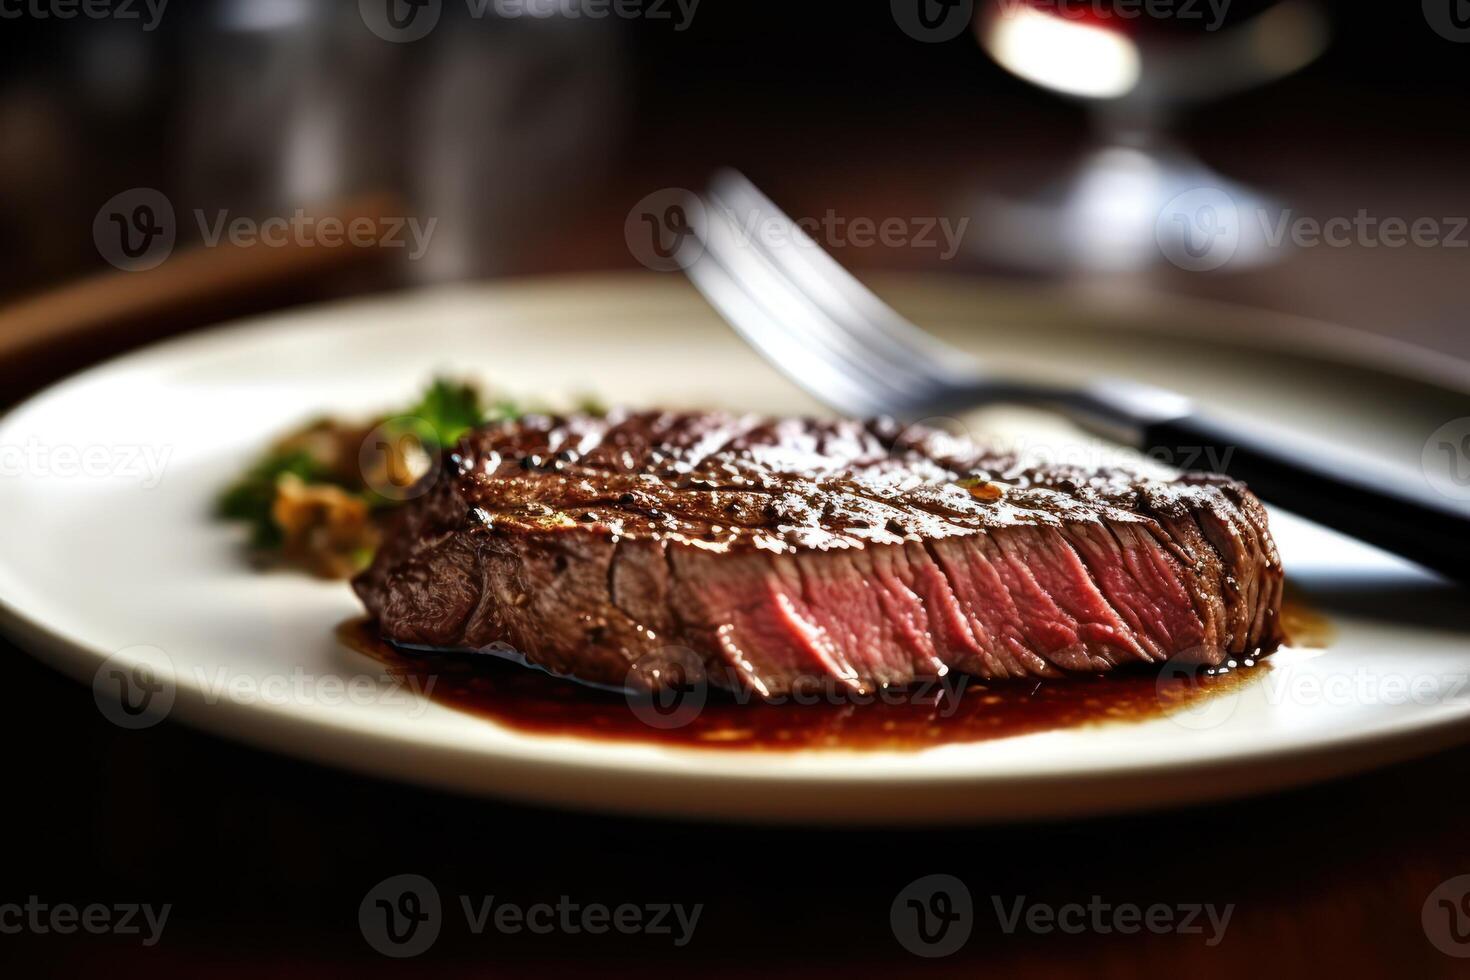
(834, 338)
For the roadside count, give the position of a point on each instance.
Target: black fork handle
(1384, 510)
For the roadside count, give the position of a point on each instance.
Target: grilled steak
(793, 555)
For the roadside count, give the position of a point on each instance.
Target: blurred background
(1073, 138)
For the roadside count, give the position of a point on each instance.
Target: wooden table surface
(265, 859)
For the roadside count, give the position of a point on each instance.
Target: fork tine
(795, 307)
(751, 313)
(827, 332)
(849, 304)
(761, 271)
(784, 323)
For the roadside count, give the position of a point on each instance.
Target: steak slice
(790, 555)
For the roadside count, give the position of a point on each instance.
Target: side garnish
(316, 499)
(453, 408)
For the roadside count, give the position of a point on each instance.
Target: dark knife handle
(1383, 509)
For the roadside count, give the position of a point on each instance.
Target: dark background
(804, 95)
(826, 105)
(537, 141)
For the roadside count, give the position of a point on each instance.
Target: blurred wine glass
(1138, 197)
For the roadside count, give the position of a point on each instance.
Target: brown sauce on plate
(956, 710)
(1305, 627)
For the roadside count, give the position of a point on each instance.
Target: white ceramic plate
(109, 551)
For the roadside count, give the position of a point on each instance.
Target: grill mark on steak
(793, 555)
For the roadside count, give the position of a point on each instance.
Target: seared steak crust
(791, 554)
